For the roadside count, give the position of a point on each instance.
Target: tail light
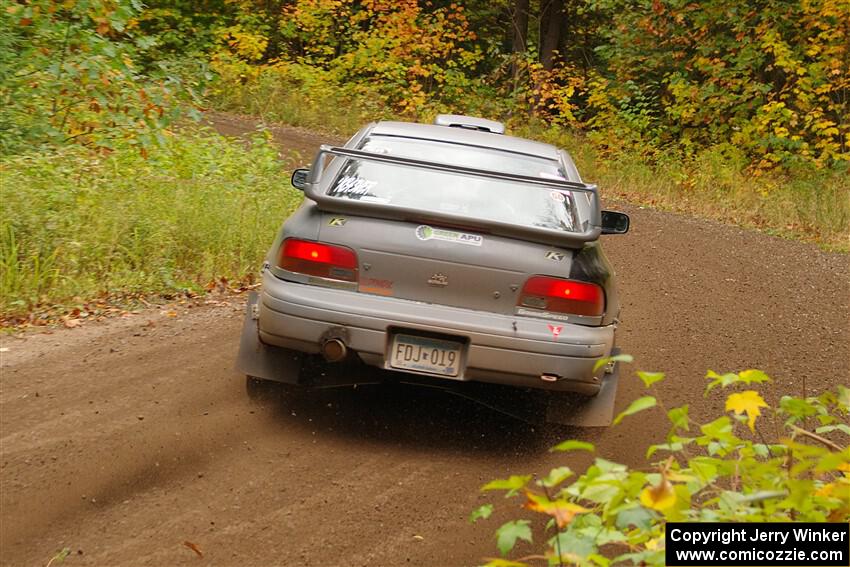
(563, 296)
(318, 259)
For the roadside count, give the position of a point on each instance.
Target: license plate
(424, 354)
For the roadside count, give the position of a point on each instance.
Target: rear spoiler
(590, 231)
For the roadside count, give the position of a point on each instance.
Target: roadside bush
(410, 56)
(375, 58)
(84, 224)
(771, 78)
(755, 463)
(69, 73)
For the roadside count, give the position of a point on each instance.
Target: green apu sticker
(425, 232)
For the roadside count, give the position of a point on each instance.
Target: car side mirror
(614, 222)
(300, 177)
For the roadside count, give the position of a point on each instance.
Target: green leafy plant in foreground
(755, 463)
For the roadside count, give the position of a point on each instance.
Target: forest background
(735, 111)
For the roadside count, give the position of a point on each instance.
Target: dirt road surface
(122, 440)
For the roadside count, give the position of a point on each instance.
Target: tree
(551, 25)
(520, 26)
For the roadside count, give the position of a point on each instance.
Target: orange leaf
(561, 510)
(194, 548)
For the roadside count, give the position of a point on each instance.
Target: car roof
(465, 136)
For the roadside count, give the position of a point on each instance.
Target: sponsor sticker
(556, 256)
(337, 221)
(349, 185)
(438, 280)
(376, 286)
(555, 330)
(425, 232)
(557, 196)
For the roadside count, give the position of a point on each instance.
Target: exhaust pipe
(334, 350)
(549, 377)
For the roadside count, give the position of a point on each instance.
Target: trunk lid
(443, 265)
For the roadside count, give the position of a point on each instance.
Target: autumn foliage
(770, 77)
(71, 73)
(766, 82)
(754, 463)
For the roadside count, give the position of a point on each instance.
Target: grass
(78, 225)
(311, 103)
(809, 204)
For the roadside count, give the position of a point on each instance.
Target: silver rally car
(449, 254)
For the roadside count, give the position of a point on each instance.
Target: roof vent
(470, 123)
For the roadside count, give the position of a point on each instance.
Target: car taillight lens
(563, 296)
(318, 259)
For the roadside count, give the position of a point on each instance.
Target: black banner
(763, 544)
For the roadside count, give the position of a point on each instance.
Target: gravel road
(123, 439)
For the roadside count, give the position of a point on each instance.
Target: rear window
(443, 192)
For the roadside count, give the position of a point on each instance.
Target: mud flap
(261, 360)
(580, 411)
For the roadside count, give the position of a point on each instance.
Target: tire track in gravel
(373, 476)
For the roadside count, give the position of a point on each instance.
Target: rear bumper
(502, 349)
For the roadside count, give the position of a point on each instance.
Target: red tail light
(563, 296)
(317, 259)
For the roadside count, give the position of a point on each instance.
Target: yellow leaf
(658, 497)
(749, 401)
(838, 490)
(652, 544)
